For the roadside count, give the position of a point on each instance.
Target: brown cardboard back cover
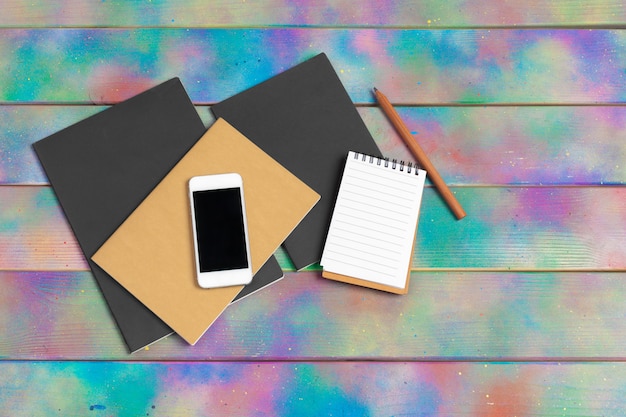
(151, 254)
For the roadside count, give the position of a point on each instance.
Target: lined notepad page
(374, 221)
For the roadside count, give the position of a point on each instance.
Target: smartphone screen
(220, 231)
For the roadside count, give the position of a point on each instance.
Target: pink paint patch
(500, 396)
(112, 84)
(494, 47)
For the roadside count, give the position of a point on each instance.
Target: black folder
(306, 121)
(102, 168)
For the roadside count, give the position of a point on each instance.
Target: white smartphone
(220, 230)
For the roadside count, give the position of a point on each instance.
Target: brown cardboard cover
(368, 284)
(151, 254)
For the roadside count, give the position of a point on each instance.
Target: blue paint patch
(97, 407)
(314, 394)
(450, 49)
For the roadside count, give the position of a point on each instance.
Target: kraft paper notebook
(305, 120)
(373, 226)
(102, 167)
(151, 254)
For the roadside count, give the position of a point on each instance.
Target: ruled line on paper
(383, 188)
(364, 260)
(357, 233)
(365, 211)
(360, 266)
(348, 244)
(365, 242)
(388, 191)
(371, 204)
(383, 226)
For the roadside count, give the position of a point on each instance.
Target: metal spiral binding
(393, 164)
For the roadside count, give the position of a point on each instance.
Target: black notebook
(305, 120)
(269, 273)
(103, 167)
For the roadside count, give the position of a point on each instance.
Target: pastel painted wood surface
(479, 66)
(312, 389)
(537, 273)
(195, 13)
(507, 228)
(469, 145)
(446, 316)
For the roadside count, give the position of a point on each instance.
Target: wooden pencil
(419, 155)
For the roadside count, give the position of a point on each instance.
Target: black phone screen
(220, 231)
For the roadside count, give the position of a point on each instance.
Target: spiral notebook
(374, 222)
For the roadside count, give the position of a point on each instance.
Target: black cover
(305, 120)
(103, 167)
(269, 273)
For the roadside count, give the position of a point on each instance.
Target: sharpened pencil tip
(375, 89)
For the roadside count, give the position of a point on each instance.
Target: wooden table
(519, 309)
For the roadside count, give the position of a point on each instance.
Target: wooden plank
(445, 316)
(468, 145)
(315, 389)
(410, 66)
(507, 228)
(35, 233)
(426, 13)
